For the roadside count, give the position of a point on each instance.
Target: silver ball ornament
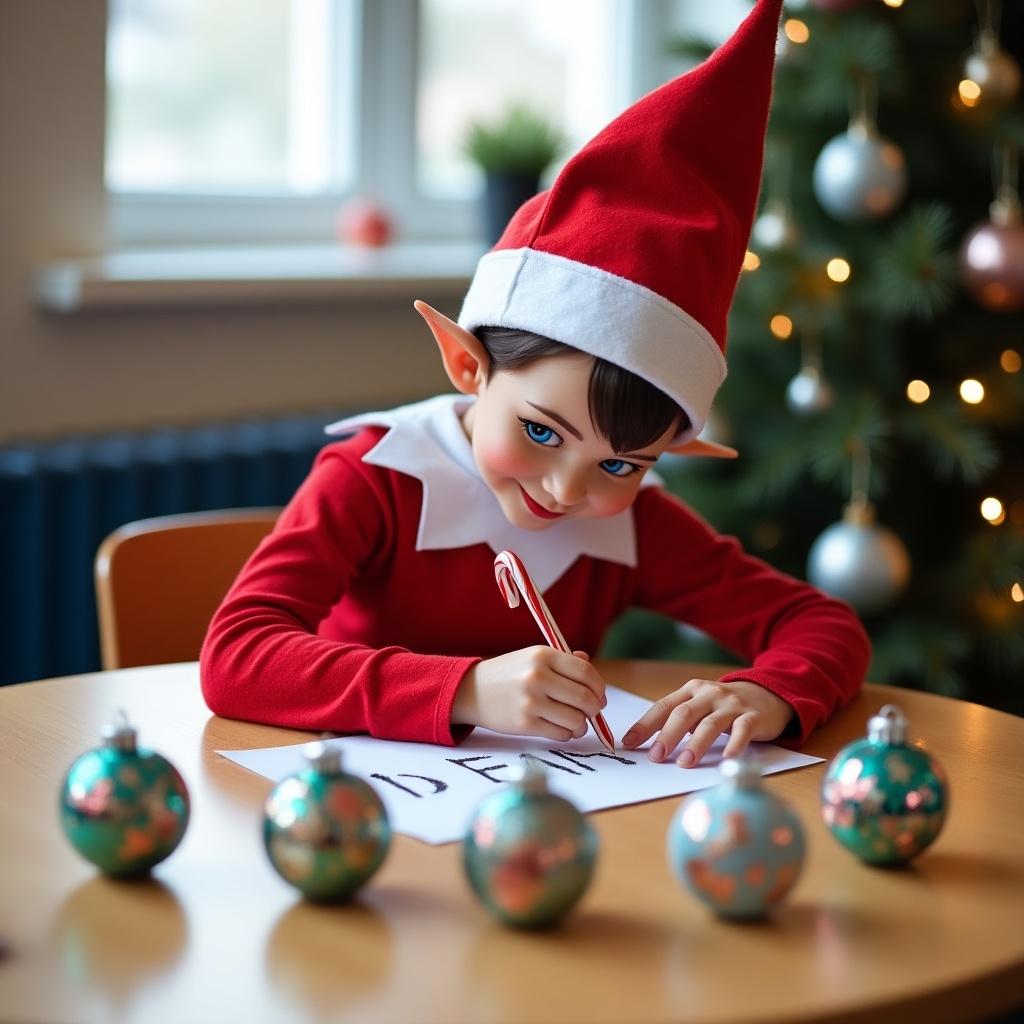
(859, 562)
(775, 229)
(325, 831)
(994, 71)
(529, 854)
(808, 393)
(860, 175)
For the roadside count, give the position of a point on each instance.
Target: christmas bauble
(860, 562)
(809, 393)
(737, 847)
(992, 260)
(994, 71)
(860, 175)
(365, 223)
(882, 798)
(775, 228)
(325, 831)
(123, 807)
(529, 854)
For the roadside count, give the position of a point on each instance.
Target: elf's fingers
(655, 716)
(711, 727)
(740, 735)
(579, 670)
(682, 720)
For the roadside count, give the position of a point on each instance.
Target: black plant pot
(504, 193)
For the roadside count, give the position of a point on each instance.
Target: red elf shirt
(374, 594)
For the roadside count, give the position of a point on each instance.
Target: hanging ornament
(809, 393)
(775, 230)
(857, 560)
(992, 254)
(737, 847)
(326, 832)
(860, 175)
(529, 854)
(123, 807)
(995, 73)
(882, 798)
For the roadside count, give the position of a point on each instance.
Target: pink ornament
(992, 263)
(363, 222)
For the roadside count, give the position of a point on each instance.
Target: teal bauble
(122, 807)
(325, 831)
(529, 854)
(882, 798)
(737, 847)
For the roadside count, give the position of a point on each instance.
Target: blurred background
(217, 215)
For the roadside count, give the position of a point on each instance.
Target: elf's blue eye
(618, 467)
(540, 434)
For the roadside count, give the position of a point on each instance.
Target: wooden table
(218, 937)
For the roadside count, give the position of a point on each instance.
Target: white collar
(426, 440)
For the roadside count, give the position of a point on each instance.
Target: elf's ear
(465, 359)
(699, 447)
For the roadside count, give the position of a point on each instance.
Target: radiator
(58, 500)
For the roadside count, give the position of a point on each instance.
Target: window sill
(243, 276)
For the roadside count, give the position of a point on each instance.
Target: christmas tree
(875, 390)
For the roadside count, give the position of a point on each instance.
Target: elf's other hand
(706, 709)
(536, 691)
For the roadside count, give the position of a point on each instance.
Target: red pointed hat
(634, 253)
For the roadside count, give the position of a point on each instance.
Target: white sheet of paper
(430, 791)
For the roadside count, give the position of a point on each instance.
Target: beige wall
(128, 369)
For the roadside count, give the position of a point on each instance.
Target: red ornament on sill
(363, 222)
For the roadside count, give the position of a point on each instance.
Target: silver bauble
(775, 228)
(994, 71)
(860, 562)
(860, 175)
(808, 393)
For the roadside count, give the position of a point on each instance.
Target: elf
(591, 341)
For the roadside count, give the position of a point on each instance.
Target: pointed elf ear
(465, 359)
(699, 447)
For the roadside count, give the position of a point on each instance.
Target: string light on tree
(1010, 361)
(1017, 593)
(781, 326)
(918, 392)
(857, 560)
(751, 261)
(972, 391)
(838, 270)
(992, 510)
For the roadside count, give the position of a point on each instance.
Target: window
(235, 122)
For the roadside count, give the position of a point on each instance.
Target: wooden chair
(159, 581)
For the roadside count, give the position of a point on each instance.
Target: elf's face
(538, 451)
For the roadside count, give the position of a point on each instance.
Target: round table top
(217, 935)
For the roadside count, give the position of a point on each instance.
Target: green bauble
(529, 854)
(122, 807)
(883, 799)
(326, 832)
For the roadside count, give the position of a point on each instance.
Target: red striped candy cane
(513, 580)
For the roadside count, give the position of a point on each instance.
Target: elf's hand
(706, 709)
(537, 691)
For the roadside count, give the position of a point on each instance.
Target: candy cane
(513, 580)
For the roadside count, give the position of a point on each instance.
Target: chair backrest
(159, 581)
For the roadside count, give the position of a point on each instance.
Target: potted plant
(513, 152)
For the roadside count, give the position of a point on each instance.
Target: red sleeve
(262, 660)
(807, 648)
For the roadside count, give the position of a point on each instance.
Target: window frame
(383, 50)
